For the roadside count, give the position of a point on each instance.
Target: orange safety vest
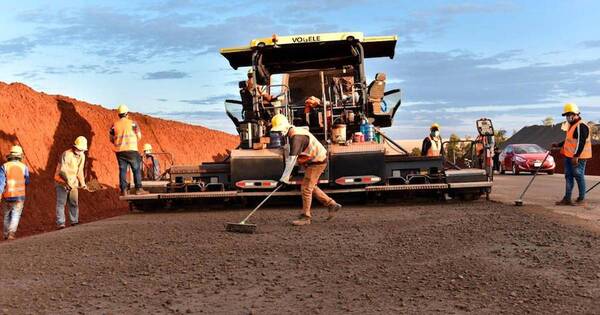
(15, 179)
(125, 138)
(480, 145)
(436, 146)
(315, 152)
(570, 146)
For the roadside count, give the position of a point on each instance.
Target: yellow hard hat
(16, 150)
(81, 143)
(434, 126)
(122, 109)
(570, 108)
(147, 147)
(280, 123)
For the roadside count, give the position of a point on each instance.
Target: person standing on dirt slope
(150, 164)
(125, 134)
(69, 177)
(432, 144)
(14, 177)
(577, 149)
(310, 153)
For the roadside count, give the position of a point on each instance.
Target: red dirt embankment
(46, 125)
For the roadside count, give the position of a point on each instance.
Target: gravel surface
(480, 257)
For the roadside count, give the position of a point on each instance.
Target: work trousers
(133, 160)
(12, 215)
(70, 198)
(309, 187)
(574, 173)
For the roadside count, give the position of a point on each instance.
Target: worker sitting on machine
(344, 90)
(312, 115)
(261, 92)
(312, 155)
(432, 144)
(150, 164)
(260, 89)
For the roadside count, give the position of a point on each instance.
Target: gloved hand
(575, 161)
(285, 180)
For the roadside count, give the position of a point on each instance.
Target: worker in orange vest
(432, 144)
(150, 164)
(577, 149)
(480, 144)
(125, 135)
(69, 177)
(14, 176)
(312, 155)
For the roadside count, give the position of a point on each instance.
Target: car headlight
(550, 159)
(520, 159)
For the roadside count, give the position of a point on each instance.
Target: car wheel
(551, 172)
(515, 169)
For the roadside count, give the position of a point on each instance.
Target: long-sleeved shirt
(425, 146)
(581, 133)
(3, 183)
(69, 170)
(298, 144)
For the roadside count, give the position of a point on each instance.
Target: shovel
(94, 185)
(244, 227)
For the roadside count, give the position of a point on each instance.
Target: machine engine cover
(466, 175)
(265, 164)
(356, 159)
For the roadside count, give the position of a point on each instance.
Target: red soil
(46, 125)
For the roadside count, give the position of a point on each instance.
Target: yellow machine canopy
(310, 51)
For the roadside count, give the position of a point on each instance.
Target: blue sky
(516, 62)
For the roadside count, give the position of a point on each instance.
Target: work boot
(141, 191)
(580, 202)
(333, 209)
(564, 202)
(302, 220)
(125, 192)
(11, 236)
(60, 226)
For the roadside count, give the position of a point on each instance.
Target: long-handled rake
(519, 202)
(244, 227)
(596, 184)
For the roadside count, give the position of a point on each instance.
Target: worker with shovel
(14, 176)
(310, 153)
(577, 149)
(69, 178)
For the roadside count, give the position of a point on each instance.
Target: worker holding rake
(577, 149)
(307, 151)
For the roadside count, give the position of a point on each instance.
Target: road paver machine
(345, 111)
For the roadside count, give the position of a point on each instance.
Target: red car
(525, 158)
